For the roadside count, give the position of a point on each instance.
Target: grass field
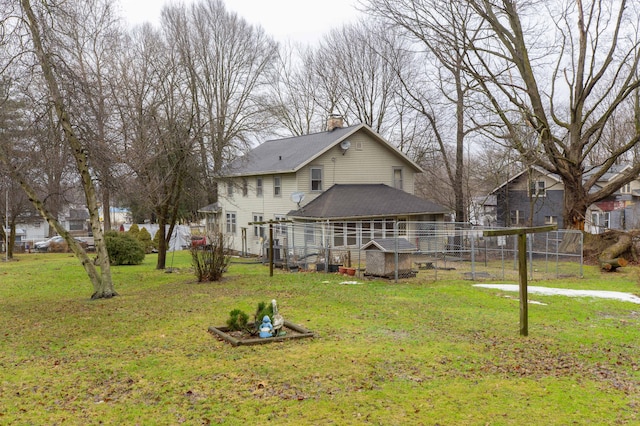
(416, 352)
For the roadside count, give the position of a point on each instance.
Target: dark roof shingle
(365, 200)
(288, 154)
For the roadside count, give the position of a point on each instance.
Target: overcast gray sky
(296, 20)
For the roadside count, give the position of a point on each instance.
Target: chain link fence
(427, 250)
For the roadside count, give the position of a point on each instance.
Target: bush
(156, 240)
(238, 320)
(145, 239)
(134, 230)
(211, 261)
(123, 249)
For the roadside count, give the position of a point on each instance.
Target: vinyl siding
(374, 163)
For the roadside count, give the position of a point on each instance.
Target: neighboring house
(535, 197)
(619, 211)
(76, 221)
(338, 177)
(35, 228)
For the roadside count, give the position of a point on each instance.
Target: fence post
(395, 255)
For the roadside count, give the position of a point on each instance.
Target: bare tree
(158, 124)
(295, 101)
(227, 62)
(436, 84)
(40, 26)
(565, 69)
(355, 66)
(91, 34)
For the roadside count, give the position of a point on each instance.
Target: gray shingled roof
(365, 200)
(211, 208)
(288, 155)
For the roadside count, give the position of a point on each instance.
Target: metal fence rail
(431, 250)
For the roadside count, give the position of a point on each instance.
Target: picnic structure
(522, 265)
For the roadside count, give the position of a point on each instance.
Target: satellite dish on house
(345, 145)
(297, 197)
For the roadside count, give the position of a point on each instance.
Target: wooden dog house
(381, 259)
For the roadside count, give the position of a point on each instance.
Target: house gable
(533, 196)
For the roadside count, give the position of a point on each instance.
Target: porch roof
(360, 201)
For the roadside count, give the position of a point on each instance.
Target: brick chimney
(335, 121)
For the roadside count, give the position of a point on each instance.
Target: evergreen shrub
(123, 248)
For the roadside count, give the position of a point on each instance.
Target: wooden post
(270, 249)
(270, 222)
(522, 265)
(522, 275)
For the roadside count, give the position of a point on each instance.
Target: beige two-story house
(343, 177)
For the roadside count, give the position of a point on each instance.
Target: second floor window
(626, 189)
(316, 179)
(245, 188)
(397, 178)
(537, 189)
(230, 189)
(259, 187)
(277, 186)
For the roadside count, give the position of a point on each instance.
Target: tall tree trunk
(102, 284)
(12, 239)
(575, 205)
(106, 207)
(460, 134)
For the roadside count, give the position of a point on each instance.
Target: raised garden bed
(239, 338)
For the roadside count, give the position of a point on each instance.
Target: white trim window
(626, 188)
(280, 227)
(259, 187)
(309, 233)
(258, 230)
(537, 189)
(397, 177)
(517, 217)
(277, 186)
(231, 222)
(316, 178)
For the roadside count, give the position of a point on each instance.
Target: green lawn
(417, 352)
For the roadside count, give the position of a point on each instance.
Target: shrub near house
(124, 249)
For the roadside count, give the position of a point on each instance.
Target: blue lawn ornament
(266, 329)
